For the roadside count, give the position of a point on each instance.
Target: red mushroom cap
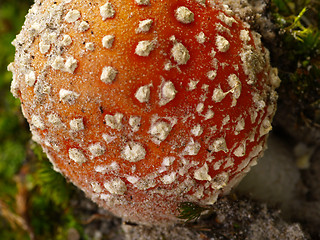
(145, 104)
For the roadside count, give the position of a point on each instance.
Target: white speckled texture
(200, 119)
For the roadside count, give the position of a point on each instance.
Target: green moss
(13, 133)
(299, 61)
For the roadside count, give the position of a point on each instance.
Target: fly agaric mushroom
(145, 104)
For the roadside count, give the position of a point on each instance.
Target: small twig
(94, 217)
(13, 219)
(22, 201)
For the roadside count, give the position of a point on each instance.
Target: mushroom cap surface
(145, 104)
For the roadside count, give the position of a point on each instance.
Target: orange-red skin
(98, 99)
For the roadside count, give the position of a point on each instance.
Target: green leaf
(190, 211)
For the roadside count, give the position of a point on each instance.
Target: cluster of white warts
(160, 130)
